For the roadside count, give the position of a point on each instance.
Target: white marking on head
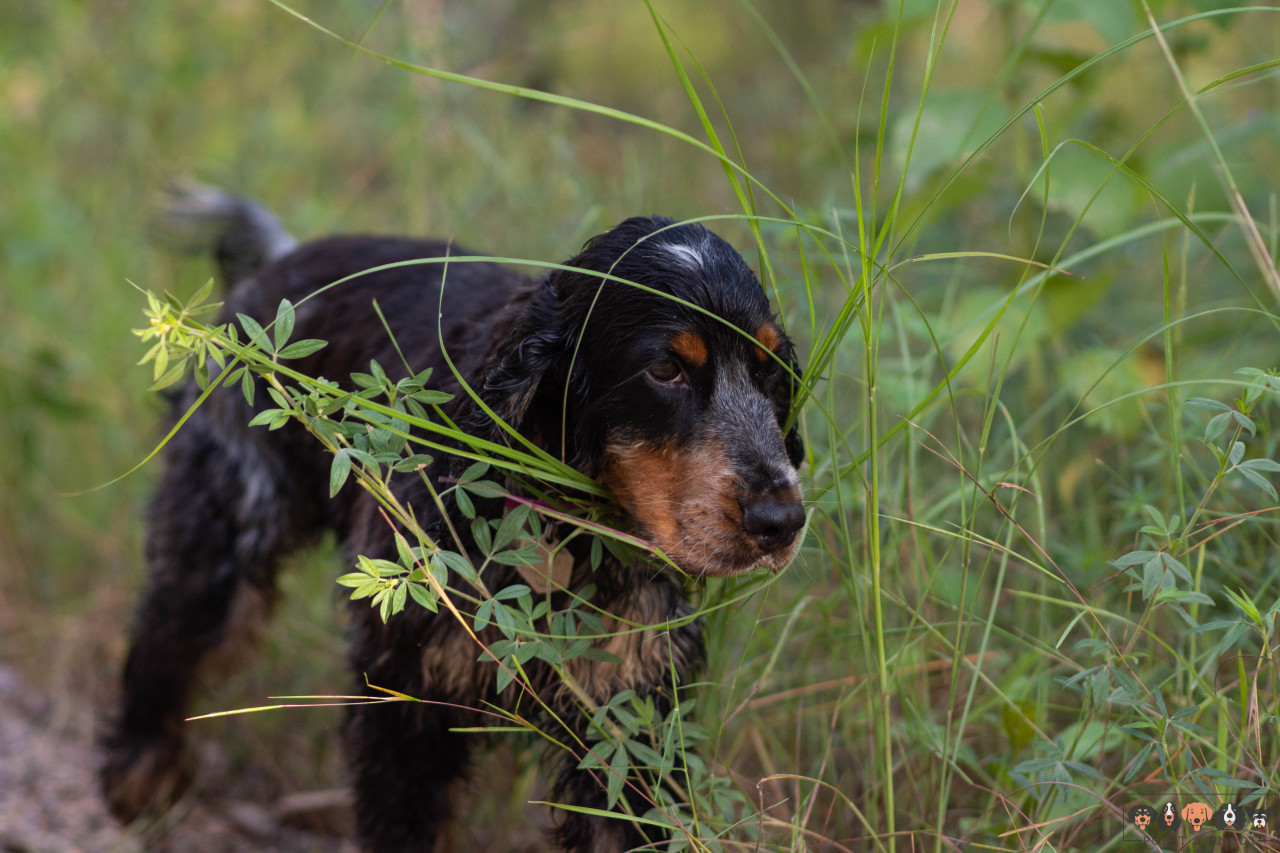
(687, 255)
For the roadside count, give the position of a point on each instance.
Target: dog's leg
(218, 525)
(403, 757)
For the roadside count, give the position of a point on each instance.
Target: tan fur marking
(646, 481)
(646, 654)
(685, 501)
(691, 347)
(443, 669)
(768, 336)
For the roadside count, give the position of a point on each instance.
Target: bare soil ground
(49, 800)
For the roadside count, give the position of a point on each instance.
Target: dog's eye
(767, 370)
(666, 372)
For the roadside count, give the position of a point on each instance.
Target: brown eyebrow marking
(769, 336)
(690, 347)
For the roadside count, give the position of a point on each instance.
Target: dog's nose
(773, 522)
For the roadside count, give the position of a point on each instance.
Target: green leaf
(283, 326)
(1182, 596)
(339, 470)
(505, 676)
(482, 533)
(412, 463)
(645, 754)
(1133, 558)
(1244, 421)
(1252, 475)
(335, 404)
(511, 526)
(526, 556)
(1175, 566)
(299, 349)
(474, 472)
(379, 375)
(619, 766)
(1217, 426)
(354, 579)
(458, 564)
(465, 506)
(366, 565)
(171, 376)
(1245, 605)
(268, 416)
(251, 328)
(364, 380)
(1152, 578)
(403, 552)
(431, 398)
(281, 400)
(526, 651)
(200, 295)
(424, 595)
(484, 614)
(1215, 625)
(386, 568)
(509, 592)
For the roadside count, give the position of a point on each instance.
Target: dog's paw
(144, 775)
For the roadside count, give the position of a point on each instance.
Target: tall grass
(1036, 286)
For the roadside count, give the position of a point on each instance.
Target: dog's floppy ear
(525, 368)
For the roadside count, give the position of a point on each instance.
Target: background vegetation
(1041, 577)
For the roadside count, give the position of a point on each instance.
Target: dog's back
(330, 284)
(234, 499)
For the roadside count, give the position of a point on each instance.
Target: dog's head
(1140, 816)
(1196, 814)
(656, 366)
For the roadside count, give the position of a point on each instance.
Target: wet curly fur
(678, 405)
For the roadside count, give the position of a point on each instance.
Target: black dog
(678, 410)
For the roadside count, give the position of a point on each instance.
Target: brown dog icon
(1196, 814)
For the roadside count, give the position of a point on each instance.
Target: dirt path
(49, 801)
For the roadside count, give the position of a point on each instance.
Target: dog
(651, 362)
(1196, 815)
(1140, 817)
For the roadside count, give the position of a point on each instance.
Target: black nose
(774, 523)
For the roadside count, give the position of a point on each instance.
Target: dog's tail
(239, 232)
